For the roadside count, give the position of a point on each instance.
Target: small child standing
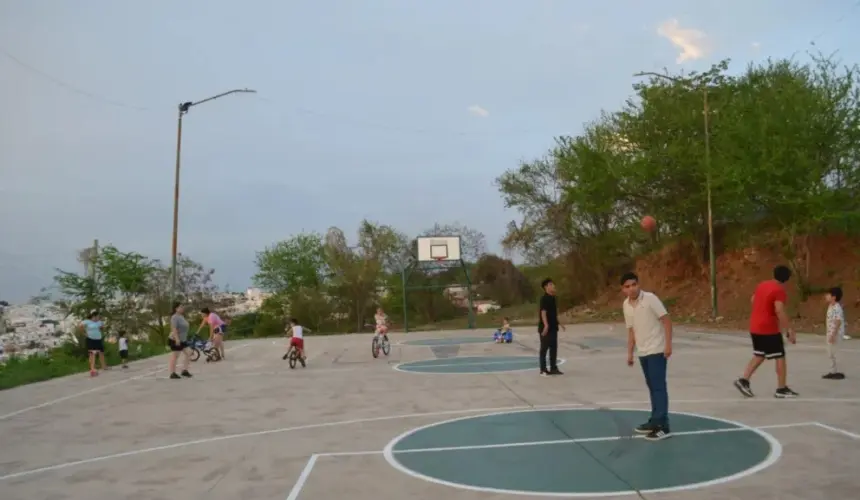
(123, 348)
(835, 330)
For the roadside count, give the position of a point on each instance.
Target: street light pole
(711, 251)
(183, 109)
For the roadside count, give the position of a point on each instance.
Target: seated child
(504, 335)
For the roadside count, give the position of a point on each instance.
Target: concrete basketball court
(350, 426)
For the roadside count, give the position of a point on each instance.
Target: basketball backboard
(438, 248)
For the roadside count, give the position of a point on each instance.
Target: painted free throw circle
(447, 341)
(472, 364)
(581, 452)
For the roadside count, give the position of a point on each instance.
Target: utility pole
(183, 109)
(711, 252)
(712, 258)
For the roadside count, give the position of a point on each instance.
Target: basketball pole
(706, 119)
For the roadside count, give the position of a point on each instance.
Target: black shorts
(176, 347)
(123, 354)
(97, 345)
(768, 346)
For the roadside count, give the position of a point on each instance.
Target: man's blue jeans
(654, 368)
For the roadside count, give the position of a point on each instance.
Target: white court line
(590, 440)
(303, 477)
(772, 457)
(215, 439)
(259, 433)
(77, 394)
(557, 441)
(838, 430)
(90, 391)
(306, 472)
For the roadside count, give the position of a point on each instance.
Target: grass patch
(67, 360)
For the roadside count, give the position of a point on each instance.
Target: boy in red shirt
(768, 315)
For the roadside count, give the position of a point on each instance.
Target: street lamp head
(183, 107)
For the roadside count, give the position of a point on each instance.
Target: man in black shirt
(548, 329)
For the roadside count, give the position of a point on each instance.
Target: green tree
(357, 273)
(117, 286)
(499, 280)
(780, 153)
(195, 287)
(292, 263)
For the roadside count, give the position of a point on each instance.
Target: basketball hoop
(438, 259)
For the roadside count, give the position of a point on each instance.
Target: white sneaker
(846, 337)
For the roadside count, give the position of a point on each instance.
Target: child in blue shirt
(504, 335)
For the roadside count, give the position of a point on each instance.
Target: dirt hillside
(678, 276)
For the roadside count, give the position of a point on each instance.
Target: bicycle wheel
(386, 346)
(294, 356)
(195, 354)
(374, 348)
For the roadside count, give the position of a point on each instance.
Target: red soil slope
(678, 276)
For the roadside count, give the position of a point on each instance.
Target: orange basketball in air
(649, 223)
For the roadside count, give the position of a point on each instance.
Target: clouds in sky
(693, 43)
(478, 111)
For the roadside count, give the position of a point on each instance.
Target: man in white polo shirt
(649, 330)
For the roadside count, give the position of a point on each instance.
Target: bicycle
(198, 345)
(292, 356)
(380, 343)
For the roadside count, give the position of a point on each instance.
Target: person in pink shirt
(217, 329)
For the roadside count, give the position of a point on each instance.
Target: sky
(402, 112)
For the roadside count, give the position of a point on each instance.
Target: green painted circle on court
(472, 364)
(448, 341)
(580, 452)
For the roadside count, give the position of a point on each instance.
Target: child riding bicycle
(297, 340)
(381, 324)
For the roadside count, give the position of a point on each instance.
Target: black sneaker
(302, 361)
(285, 356)
(544, 373)
(830, 375)
(556, 371)
(785, 393)
(658, 434)
(174, 376)
(645, 428)
(743, 385)
(186, 374)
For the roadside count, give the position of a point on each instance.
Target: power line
(299, 110)
(359, 123)
(68, 86)
(848, 12)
